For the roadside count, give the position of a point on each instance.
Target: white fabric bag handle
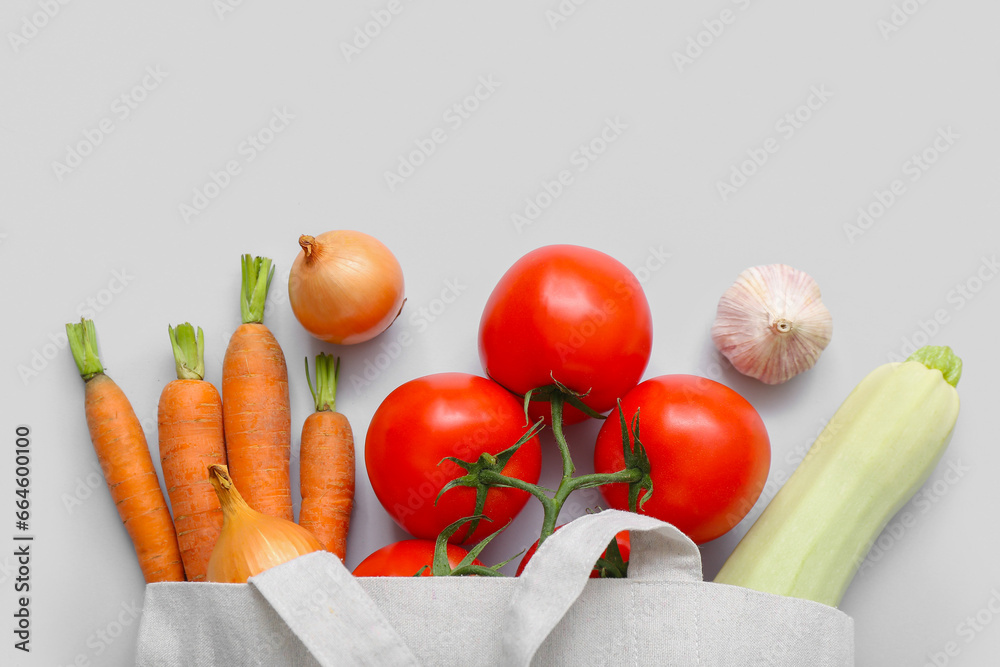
(559, 570)
(332, 614)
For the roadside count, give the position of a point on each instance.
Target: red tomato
(708, 450)
(448, 414)
(405, 558)
(624, 546)
(573, 313)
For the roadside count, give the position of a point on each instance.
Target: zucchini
(869, 460)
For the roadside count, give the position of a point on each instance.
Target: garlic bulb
(251, 542)
(771, 323)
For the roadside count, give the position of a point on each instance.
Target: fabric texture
(312, 611)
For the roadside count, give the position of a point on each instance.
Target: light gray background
(653, 191)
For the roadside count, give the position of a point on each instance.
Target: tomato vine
(487, 471)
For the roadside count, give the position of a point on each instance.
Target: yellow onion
(251, 542)
(345, 287)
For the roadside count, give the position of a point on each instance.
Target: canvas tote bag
(312, 611)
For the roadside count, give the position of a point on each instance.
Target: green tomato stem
(566, 484)
(552, 506)
(479, 570)
(626, 476)
(550, 510)
(491, 478)
(557, 432)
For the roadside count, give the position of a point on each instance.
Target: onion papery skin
(251, 542)
(345, 287)
(256, 547)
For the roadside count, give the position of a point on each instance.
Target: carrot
(191, 439)
(255, 410)
(125, 460)
(326, 462)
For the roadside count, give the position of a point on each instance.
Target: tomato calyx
(547, 392)
(612, 565)
(636, 458)
(487, 468)
(440, 567)
(487, 472)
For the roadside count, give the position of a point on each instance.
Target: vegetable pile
(225, 460)
(565, 336)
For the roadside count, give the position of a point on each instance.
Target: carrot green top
(83, 343)
(940, 357)
(325, 391)
(257, 273)
(189, 351)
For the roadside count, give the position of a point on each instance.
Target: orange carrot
(191, 439)
(125, 460)
(255, 410)
(326, 462)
